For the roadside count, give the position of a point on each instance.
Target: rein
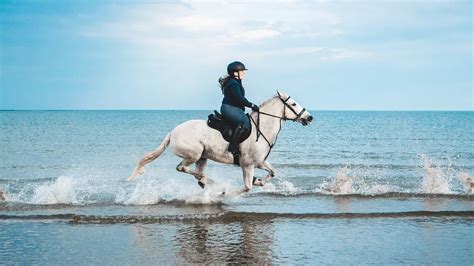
(257, 124)
(298, 115)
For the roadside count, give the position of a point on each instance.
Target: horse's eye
(293, 104)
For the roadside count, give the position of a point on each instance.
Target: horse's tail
(139, 170)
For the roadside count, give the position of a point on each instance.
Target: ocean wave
(231, 217)
(26, 180)
(395, 195)
(329, 166)
(402, 196)
(436, 181)
(83, 191)
(65, 191)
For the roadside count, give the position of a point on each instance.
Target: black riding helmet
(235, 66)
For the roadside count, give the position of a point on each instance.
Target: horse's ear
(282, 94)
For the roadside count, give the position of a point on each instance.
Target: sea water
(353, 187)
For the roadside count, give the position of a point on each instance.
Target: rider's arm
(236, 94)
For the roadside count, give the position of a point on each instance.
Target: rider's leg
(241, 124)
(239, 130)
(233, 145)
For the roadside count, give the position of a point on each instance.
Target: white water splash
(342, 183)
(148, 192)
(3, 195)
(353, 181)
(339, 185)
(59, 191)
(282, 187)
(151, 192)
(467, 181)
(91, 190)
(435, 178)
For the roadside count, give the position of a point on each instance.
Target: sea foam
(60, 191)
(436, 180)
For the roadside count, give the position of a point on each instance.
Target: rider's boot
(233, 145)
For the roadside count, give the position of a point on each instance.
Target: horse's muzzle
(307, 121)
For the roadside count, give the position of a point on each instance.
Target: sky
(328, 55)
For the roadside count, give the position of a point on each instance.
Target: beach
(354, 187)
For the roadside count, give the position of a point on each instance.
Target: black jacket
(234, 94)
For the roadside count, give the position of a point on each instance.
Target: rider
(234, 103)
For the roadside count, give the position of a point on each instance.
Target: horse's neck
(270, 126)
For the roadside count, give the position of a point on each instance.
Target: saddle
(218, 122)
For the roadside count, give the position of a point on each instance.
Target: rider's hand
(255, 107)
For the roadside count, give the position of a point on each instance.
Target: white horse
(196, 142)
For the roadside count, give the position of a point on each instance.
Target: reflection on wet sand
(343, 204)
(202, 242)
(434, 204)
(240, 242)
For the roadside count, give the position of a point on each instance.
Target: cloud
(337, 54)
(289, 51)
(253, 35)
(211, 30)
(217, 25)
(195, 23)
(323, 53)
(317, 34)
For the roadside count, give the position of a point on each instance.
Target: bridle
(285, 102)
(257, 124)
(298, 115)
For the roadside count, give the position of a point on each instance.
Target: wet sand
(309, 229)
(420, 239)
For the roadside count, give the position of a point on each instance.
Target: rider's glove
(255, 107)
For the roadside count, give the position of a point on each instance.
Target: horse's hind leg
(198, 173)
(183, 166)
(200, 165)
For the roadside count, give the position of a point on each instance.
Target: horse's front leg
(248, 172)
(271, 173)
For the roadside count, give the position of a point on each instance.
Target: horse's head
(294, 111)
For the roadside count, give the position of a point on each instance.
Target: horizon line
(318, 110)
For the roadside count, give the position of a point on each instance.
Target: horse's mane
(268, 101)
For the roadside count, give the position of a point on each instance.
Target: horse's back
(195, 128)
(194, 137)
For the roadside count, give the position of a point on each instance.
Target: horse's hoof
(201, 184)
(257, 181)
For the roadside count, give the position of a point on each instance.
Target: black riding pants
(235, 115)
